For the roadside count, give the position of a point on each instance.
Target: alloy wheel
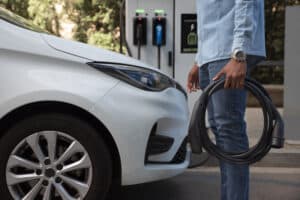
(49, 165)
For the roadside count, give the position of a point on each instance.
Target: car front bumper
(130, 115)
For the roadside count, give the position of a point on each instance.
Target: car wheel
(54, 157)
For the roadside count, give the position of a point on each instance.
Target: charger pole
(159, 56)
(140, 30)
(139, 38)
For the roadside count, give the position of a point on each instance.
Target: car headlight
(140, 77)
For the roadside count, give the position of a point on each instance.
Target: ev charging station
(176, 54)
(164, 34)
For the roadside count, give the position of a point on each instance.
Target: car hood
(92, 53)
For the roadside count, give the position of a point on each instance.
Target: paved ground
(255, 121)
(203, 184)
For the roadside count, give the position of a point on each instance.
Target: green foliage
(275, 34)
(97, 23)
(275, 27)
(96, 20)
(44, 15)
(16, 6)
(269, 75)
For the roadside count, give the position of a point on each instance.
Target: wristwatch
(239, 55)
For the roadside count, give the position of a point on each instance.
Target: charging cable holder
(159, 33)
(140, 30)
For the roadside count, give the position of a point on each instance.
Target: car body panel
(138, 112)
(31, 79)
(37, 67)
(39, 73)
(18, 39)
(87, 51)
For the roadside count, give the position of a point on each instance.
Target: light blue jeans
(226, 112)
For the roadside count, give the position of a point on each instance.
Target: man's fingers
(235, 82)
(195, 86)
(228, 82)
(189, 84)
(219, 75)
(190, 87)
(242, 83)
(198, 84)
(194, 90)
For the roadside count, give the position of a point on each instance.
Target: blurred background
(96, 22)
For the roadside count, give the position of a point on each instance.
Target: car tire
(93, 162)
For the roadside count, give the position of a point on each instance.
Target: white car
(76, 119)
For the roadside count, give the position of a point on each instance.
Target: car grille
(180, 156)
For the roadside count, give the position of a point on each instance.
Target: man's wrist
(237, 62)
(239, 55)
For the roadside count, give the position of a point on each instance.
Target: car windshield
(19, 21)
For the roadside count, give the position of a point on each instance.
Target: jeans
(226, 112)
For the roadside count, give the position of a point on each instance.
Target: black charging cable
(139, 39)
(273, 131)
(159, 57)
(122, 30)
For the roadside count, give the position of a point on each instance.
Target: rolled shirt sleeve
(244, 24)
(226, 25)
(199, 12)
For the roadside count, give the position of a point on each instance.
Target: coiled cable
(273, 131)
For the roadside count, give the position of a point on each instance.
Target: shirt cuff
(241, 44)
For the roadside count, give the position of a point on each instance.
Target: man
(231, 40)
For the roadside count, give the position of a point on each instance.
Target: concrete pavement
(289, 156)
(203, 184)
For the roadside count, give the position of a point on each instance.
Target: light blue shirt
(226, 25)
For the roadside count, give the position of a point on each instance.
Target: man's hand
(193, 79)
(235, 73)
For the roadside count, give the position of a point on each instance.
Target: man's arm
(244, 25)
(193, 76)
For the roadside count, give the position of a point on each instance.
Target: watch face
(240, 55)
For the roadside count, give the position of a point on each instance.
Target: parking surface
(203, 184)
